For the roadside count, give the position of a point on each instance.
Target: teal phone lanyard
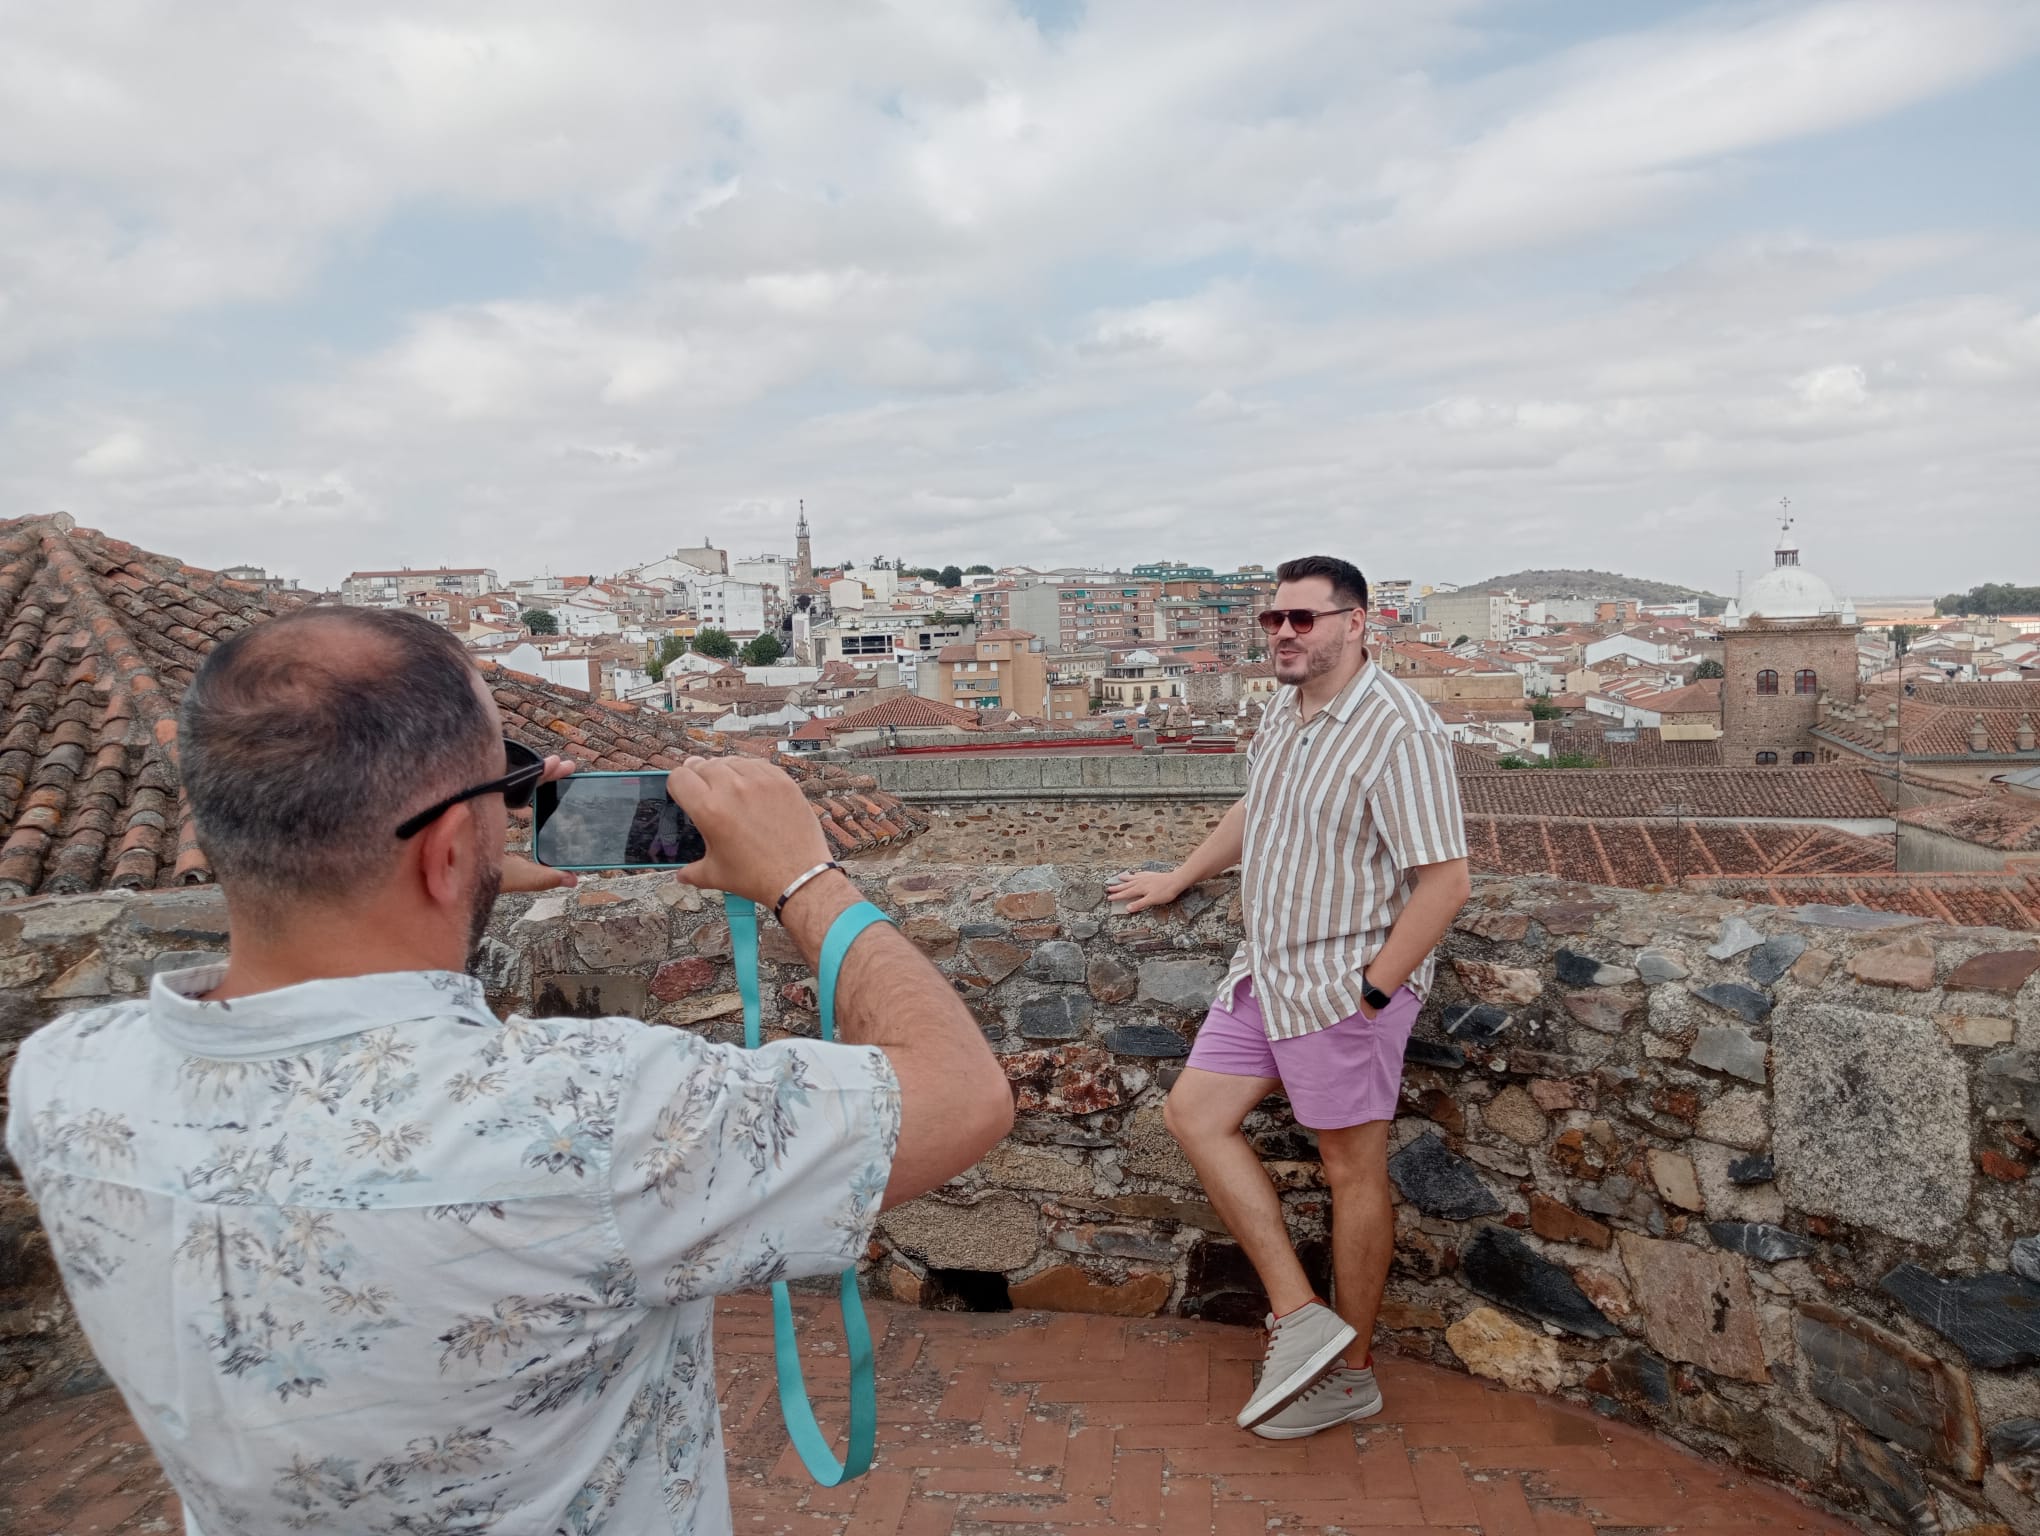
(806, 1434)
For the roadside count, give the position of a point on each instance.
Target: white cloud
(1185, 279)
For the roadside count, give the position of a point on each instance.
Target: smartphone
(612, 821)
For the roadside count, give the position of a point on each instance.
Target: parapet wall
(1751, 1176)
(1100, 776)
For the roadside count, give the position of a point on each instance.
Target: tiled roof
(1646, 853)
(811, 730)
(1935, 721)
(906, 711)
(1693, 699)
(1468, 758)
(1649, 750)
(1599, 792)
(2007, 900)
(855, 813)
(2009, 822)
(100, 640)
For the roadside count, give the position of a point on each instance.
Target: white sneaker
(1301, 1348)
(1340, 1396)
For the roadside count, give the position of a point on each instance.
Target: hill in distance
(1541, 585)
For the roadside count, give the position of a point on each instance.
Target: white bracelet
(800, 880)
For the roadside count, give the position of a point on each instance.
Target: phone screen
(612, 821)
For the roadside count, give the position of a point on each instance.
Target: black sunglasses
(516, 787)
(1302, 620)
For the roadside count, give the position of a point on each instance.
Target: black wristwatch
(1372, 995)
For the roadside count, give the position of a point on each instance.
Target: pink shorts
(1349, 1073)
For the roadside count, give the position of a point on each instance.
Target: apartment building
(1113, 613)
(393, 589)
(1001, 669)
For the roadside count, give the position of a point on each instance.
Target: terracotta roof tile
(2007, 822)
(97, 642)
(905, 711)
(1649, 750)
(1640, 853)
(2006, 900)
(1828, 792)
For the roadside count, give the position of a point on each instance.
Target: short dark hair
(305, 740)
(1348, 585)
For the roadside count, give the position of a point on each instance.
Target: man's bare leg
(1363, 1223)
(1204, 1112)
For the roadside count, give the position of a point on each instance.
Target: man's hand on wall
(1141, 889)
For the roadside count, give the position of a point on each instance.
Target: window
(1767, 759)
(1805, 680)
(1767, 682)
(1802, 757)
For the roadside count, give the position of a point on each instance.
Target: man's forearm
(888, 994)
(1220, 851)
(1441, 891)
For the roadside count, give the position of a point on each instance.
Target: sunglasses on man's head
(1302, 620)
(517, 786)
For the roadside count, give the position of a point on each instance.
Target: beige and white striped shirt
(1339, 812)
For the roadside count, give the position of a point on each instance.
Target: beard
(1315, 661)
(488, 885)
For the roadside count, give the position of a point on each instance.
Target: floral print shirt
(363, 1257)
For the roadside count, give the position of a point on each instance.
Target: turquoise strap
(801, 1426)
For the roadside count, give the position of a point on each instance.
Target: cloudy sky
(1450, 287)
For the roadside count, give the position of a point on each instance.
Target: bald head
(305, 740)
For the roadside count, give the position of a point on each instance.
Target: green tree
(1544, 709)
(978, 570)
(539, 622)
(1709, 668)
(714, 642)
(926, 573)
(1903, 635)
(1991, 599)
(950, 576)
(763, 651)
(663, 655)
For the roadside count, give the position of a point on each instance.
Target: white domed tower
(1785, 643)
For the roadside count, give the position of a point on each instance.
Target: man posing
(1354, 864)
(362, 1256)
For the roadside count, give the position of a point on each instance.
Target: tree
(1460, 641)
(1544, 709)
(1709, 668)
(539, 622)
(763, 651)
(927, 573)
(664, 654)
(1993, 597)
(949, 576)
(1903, 635)
(978, 570)
(714, 642)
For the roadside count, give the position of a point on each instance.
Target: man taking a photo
(1353, 858)
(362, 1256)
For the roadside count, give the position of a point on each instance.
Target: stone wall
(1056, 831)
(1762, 1179)
(1104, 775)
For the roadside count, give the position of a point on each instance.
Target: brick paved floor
(1025, 1423)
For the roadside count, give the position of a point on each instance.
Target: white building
(390, 589)
(723, 602)
(685, 564)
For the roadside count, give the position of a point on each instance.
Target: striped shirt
(1339, 812)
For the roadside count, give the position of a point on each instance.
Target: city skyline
(1452, 289)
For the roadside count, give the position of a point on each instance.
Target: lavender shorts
(1347, 1074)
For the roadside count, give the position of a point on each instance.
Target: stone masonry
(1759, 1178)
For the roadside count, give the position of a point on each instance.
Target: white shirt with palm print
(363, 1257)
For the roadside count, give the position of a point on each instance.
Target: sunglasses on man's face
(516, 787)
(1302, 620)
